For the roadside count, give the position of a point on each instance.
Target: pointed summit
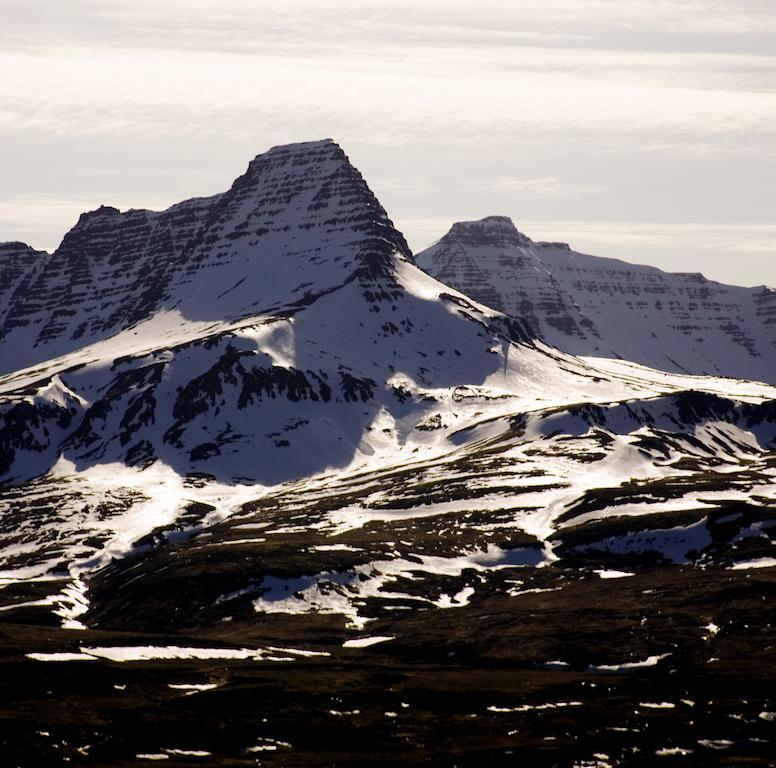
(464, 257)
(492, 230)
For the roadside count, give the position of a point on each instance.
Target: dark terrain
(431, 696)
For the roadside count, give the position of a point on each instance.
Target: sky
(637, 129)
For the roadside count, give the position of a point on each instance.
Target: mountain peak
(302, 147)
(16, 246)
(300, 153)
(313, 187)
(491, 230)
(102, 210)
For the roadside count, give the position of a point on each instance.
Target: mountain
(245, 252)
(291, 307)
(592, 306)
(250, 430)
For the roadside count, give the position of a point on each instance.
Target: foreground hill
(587, 305)
(250, 430)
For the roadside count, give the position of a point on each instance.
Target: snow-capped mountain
(252, 418)
(280, 325)
(297, 213)
(587, 305)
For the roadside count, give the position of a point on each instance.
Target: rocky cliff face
(600, 307)
(19, 266)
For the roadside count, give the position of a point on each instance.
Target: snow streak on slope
(600, 307)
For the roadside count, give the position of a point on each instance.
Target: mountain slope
(586, 305)
(330, 351)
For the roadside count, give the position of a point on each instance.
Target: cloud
(736, 236)
(385, 73)
(196, 93)
(233, 24)
(547, 185)
(550, 186)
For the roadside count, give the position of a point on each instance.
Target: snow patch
(650, 661)
(365, 642)
(760, 562)
(611, 574)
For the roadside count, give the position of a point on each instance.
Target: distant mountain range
(587, 305)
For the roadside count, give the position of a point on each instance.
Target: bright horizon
(629, 129)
